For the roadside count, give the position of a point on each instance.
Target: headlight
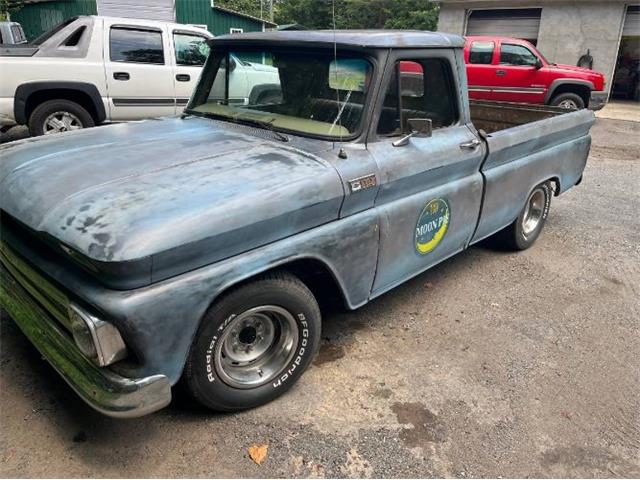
(98, 340)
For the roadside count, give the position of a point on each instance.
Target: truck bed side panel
(522, 157)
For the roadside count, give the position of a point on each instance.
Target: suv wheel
(253, 344)
(570, 101)
(56, 116)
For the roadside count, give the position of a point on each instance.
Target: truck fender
(24, 91)
(566, 81)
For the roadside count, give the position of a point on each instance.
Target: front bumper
(598, 100)
(105, 391)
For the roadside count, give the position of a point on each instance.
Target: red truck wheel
(570, 101)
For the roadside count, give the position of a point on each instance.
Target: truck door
(138, 71)
(430, 187)
(516, 77)
(190, 51)
(479, 57)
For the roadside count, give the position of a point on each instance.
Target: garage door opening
(163, 10)
(627, 73)
(521, 23)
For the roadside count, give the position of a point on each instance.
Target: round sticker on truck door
(432, 225)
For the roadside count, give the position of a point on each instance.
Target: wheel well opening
(582, 91)
(315, 275)
(81, 98)
(320, 280)
(555, 182)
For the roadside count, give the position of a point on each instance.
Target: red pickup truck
(512, 70)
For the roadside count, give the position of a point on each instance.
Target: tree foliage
(350, 14)
(8, 7)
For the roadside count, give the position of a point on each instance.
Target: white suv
(90, 70)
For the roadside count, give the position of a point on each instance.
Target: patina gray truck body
(148, 224)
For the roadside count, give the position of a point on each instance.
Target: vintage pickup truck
(197, 248)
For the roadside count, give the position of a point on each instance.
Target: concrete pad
(621, 110)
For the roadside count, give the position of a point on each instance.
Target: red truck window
(511, 54)
(481, 53)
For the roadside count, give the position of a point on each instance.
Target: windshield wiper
(247, 121)
(263, 124)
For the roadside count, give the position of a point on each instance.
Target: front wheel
(524, 231)
(570, 101)
(56, 116)
(253, 344)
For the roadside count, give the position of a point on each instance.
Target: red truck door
(517, 76)
(479, 57)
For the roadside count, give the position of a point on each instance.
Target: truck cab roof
(348, 38)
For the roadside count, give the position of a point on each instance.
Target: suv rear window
(136, 46)
(481, 53)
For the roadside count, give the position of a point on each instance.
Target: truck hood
(183, 193)
(597, 78)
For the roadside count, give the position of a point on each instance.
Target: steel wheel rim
(256, 346)
(59, 122)
(533, 212)
(568, 104)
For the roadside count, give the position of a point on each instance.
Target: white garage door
(506, 22)
(632, 22)
(146, 9)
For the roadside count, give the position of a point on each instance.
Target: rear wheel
(253, 344)
(56, 116)
(524, 231)
(570, 101)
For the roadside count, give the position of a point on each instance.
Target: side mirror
(420, 128)
(538, 64)
(232, 64)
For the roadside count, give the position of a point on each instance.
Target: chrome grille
(42, 290)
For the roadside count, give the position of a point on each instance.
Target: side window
(481, 53)
(74, 39)
(516, 55)
(136, 46)
(426, 90)
(191, 50)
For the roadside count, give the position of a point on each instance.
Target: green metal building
(38, 16)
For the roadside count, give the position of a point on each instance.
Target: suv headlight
(98, 340)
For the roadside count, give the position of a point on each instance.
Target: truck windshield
(312, 94)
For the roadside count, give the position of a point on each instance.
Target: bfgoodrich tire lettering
(253, 344)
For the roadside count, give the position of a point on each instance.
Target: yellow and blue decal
(432, 225)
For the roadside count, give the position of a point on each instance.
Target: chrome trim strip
(507, 89)
(144, 102)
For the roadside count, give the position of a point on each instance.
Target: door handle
(121, 76)
(501, 73)
(183, 77)
(471, 145)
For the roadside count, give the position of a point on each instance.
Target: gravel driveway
(491, 364)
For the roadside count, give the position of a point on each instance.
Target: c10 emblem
(432, 225)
